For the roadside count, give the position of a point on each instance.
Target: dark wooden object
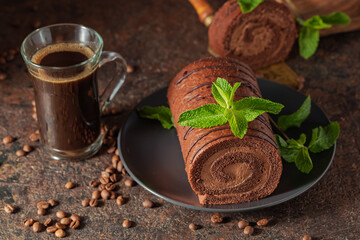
(159, 38)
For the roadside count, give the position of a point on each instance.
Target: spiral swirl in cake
(260, 38)
(222, 168)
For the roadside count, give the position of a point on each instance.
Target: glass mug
(63, 60)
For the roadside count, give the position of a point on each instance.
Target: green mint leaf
(161, 113)
(316, 22)
(336, 18)
(221, 90)
(308, 41)
(303, 161)
(302, 139)
(248, 5)
(206, 116)
(295, 119)
(252, 107)
(237, 122)
(288, 152)
(235, 87)
(324, 137)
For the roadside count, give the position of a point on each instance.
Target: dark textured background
(159, 38)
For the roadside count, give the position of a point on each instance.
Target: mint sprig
(161, 113)
(309, 32)
(295, 151)
(248, 5)
(238, 113)
(295, 119)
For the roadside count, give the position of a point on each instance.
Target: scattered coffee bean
(51, 229)
(93, 203)
(216, 218)
(20, 153)
(93, 183)
(10, 57)
(123, 171)
(114, 160)
(47, 222)
(3, 62)
(85, 202)
(33, 103)
(112, 195)
(75, 217)
(114, 178)
(120, 166)
(95, 194)
(41, 211)
(105, 194)
(60, 233)
(27, 148)
(110, 170)
(110, 187)
(129, 182)
(36, 227)
(120, 200)
(3, 76)
(60, 214)
(129, 68)
(74, 224)
(248, 230)
(42, 204)
(126, 223)
(242, 224)
(8, 139)
(101, 187)
(12, 51)
(306, 237)
(29, 222)
(147, 204)
(52, 202)
(104, 180)
(65, 221)
(9, 208)
(117, 152)
(193, 226)
(111, 150)
(34, 137)
(262, 222)
(34, 116)
(69, 185)
(105, 174)
(60, 225)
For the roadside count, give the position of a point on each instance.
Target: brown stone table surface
(158, 38)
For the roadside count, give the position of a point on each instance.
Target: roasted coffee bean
(105, 174)
(75, 217)
(10, 57)
(262, 222)
(33, 103)
(85, 202)
(242, 224)
(248, 230)
(2, 62)
(74, 224)
(52, 202)
(36, 227)
(42, 204)
(120, 200)
(101, 187)
(112, 195)
(60, 214)
(51, 229)
(117, 152)
(147, 204)
(93, 183)
(8, 139)
(29, 222)
(123, 171)
(105, 194)
(65, 221)
(27, 148)
(126, 223)
(41, 211)
(69, 185)
(129, 68)
(12, 51)
(193, 226)
(216, 218)
(60, 225)
(129, 182)
(34, 116)
(47, 222)
(114, 178)
(95, 194)
(3, 76)
(9, 208)
(110, 170)
(60, 233)
(110, 187)
(93, 203)
(111, 150)
(119, 166)
(114, 160)
(20, 153)
(34, 137)
(306, 237)
(104, 180)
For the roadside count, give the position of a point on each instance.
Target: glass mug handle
(116, 82)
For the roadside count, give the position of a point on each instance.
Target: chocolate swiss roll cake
(260, 38)
(222, 168)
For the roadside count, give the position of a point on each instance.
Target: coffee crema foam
(44, 75)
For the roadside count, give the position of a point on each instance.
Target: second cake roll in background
(222, 168)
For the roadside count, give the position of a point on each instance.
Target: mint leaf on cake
(248, 5)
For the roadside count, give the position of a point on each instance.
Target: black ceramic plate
(152, 155)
